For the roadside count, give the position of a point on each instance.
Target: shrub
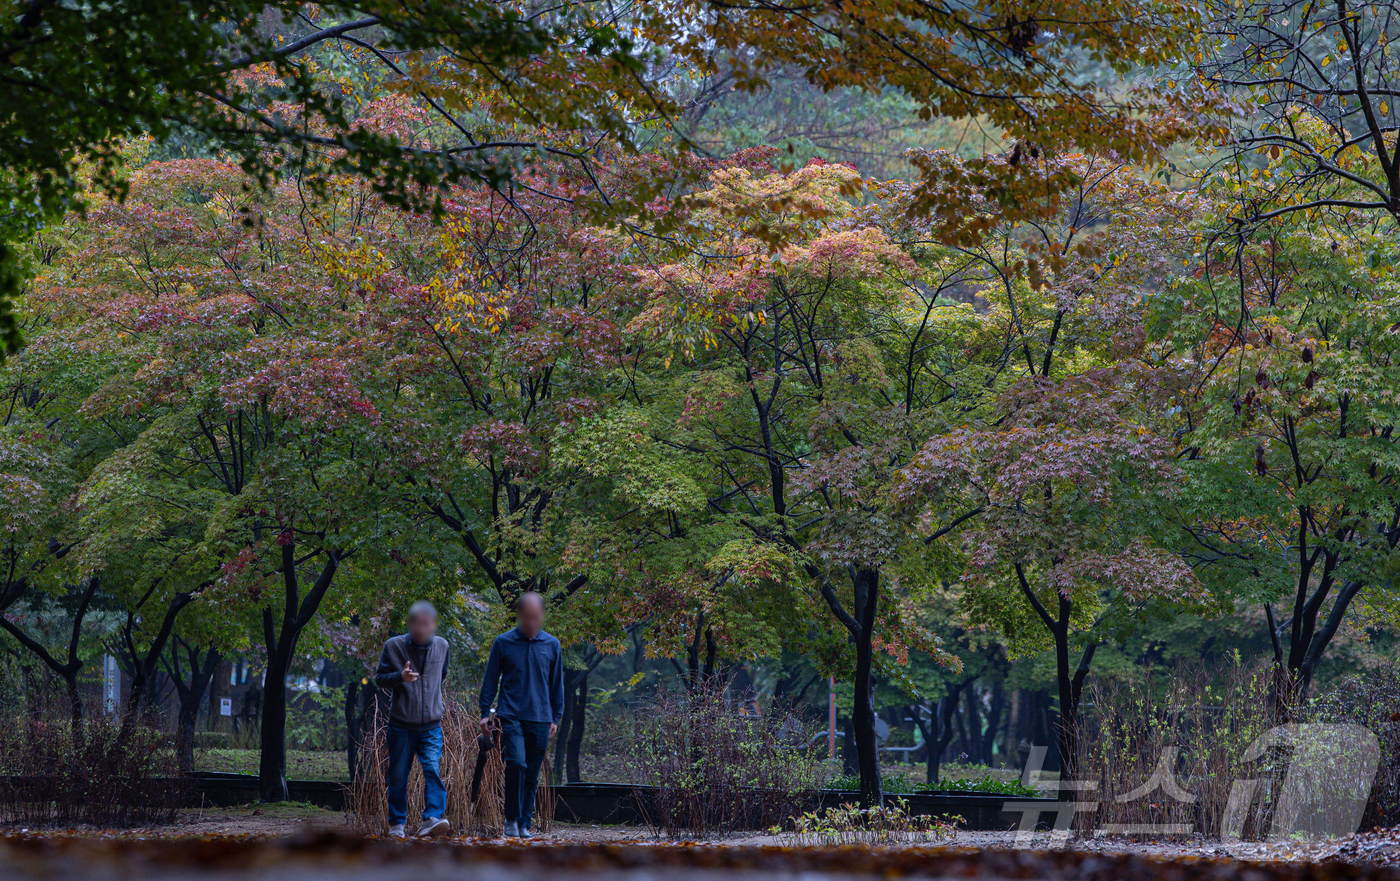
(316, 720)
(984, 784)
(1197, 720)
(852, 825)
(1372, 700)
(105, 776)
(714, 767)
(213, 740)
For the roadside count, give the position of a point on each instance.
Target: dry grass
(367, 799)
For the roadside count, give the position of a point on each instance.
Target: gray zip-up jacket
(416, 705)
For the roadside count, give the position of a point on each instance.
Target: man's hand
(553, 728)
(409, 674)
(486, 725)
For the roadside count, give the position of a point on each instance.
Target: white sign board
(225, 706)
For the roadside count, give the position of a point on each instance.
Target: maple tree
(1285, 344)
(1064, 470)
(279, 86)
(1028, 73)
(500, 347)
(248, 460)
(49, 605)
(790, 386)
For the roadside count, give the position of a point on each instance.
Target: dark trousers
(523, 745)
(403, 745)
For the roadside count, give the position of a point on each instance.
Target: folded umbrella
(484, 744)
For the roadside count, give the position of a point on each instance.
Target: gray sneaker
(396, 831)
(432, 828)
(524, 832)
(512, 830)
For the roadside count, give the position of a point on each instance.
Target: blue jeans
(404, 743)
(523, 746)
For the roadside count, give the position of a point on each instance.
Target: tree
(1318, 86)
(788, 395)
(1285, 346)
(1030, 74)
(1063, 472)
(501, 344)
(278, 87)
(1066, 485)
(69, 662)
(234, 377)
(46, 449)
(191, 692)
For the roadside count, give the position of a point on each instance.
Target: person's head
(422, 621)
(529, 613)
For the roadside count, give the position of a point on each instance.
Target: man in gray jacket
(413, 666)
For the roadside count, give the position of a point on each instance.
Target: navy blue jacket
(530, 676)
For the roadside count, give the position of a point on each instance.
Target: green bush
(986, 784)
(213, 739)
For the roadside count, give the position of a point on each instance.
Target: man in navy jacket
(526, 666)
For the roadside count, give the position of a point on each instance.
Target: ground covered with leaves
(328, 854)
(239, 838)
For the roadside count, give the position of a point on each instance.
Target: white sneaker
(396, 831)
(512, 830)
(435, 827)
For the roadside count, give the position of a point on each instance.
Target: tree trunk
(939, 732)
(973, 733)
(850, 763)
(960, 714)
(1070, 684)
(141, 704)
(272, 761)
(1010, 746)
(580, 710)
(66, 670)
(352, 726)
(297, 613)
(191, 697)
(1306, 640)
(698, 676)
(75, 709)
(863, 710)
(995, 706)
(561, 739)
